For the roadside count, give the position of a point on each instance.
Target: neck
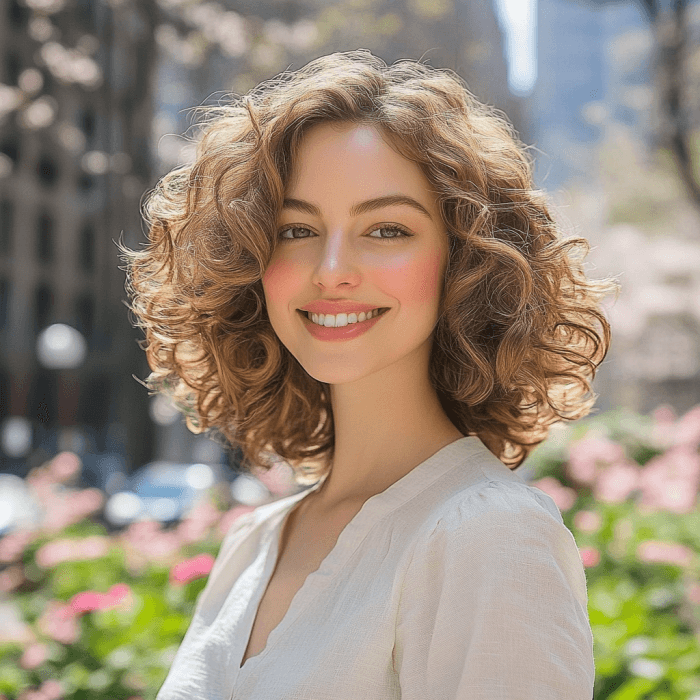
(385, 425)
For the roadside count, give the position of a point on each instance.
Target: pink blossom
(88, 601)
(671, 481)
(34, 655)
(231, 516)
(12, 577)
(58, 621)
(195, 527)
(59, 551)
(688, 428)
(589, 556)
(147, 538)
(12, 546)
(563, 496)
(587, 521)
(652, 551)
(663, 431)
(588, 454)
(64, 466)
(191, 569)
(49, 690)
(692, 592)
(616, 482)
(64, 508)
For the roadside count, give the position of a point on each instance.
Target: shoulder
(498, 526)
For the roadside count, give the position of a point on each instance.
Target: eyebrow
(361, 208)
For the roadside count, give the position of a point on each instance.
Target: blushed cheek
(418, 281)
(279, 281)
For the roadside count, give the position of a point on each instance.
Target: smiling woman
(358, 276)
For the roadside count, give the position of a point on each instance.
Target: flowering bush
(88, 614)
(627, 486)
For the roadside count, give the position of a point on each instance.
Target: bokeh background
(111, 511)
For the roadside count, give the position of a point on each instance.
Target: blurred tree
(677, 66)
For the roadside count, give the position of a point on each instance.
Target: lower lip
(352, 330)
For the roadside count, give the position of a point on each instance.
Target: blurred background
(96, 99)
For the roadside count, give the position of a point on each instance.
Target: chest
(304, 543)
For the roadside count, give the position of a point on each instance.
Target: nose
(337, 263)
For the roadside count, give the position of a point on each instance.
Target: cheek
(280, 279)
(417, 281)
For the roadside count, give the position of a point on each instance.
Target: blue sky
(518, 19)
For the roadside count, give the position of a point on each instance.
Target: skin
(387, 415)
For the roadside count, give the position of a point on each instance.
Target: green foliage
(641, 562)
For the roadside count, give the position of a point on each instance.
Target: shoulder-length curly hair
(520, 332)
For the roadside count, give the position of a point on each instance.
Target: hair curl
(520, 332)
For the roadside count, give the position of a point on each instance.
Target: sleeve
(494, 605)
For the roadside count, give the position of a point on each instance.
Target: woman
(357, 276)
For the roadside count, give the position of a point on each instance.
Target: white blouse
(457, 582)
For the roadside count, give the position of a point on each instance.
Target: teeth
(340, 320)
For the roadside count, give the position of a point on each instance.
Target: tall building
(75, 116)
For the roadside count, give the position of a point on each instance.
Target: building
(75, 117)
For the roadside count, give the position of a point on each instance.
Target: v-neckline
(379, 504)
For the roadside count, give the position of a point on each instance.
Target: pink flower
(59, 551)
(588, 454)
(688, 428)
(563, 496)
(58, 621)
(64, 466)
(34, 655)
(231, 516)
(11, 578)
(616, 482)
(64, 508)
(49, 690)
(692, 592)
(191, 569)
(12, 546)
(589, 556)
(663, 431)
(88, 601)
(587, 521)
(148, 539)
(655, 552)
(671, 481)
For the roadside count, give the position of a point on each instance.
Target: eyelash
(393, 227)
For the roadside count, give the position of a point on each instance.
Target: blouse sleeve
(494, 604)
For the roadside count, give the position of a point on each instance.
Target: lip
(341, 306)
(352, 330)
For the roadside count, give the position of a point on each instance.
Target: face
(360, 230)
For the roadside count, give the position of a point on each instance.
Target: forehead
(354, 162)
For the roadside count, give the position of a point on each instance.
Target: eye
(394, 230)
(288, 233)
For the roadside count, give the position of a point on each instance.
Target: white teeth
(340, 320)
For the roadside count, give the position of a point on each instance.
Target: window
(47, 170)
(4, 303)
(87, 248)
(13, 68)
(85, 315)
(6, 222)
(43, 306)
(44, 238)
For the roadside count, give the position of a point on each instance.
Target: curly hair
(520, 332)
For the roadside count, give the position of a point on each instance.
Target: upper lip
(344, 306)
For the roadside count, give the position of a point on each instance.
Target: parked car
(162, 491)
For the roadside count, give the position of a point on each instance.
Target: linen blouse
(457, 582)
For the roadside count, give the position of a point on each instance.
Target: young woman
(357, 276)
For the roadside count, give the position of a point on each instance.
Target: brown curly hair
(520, 332)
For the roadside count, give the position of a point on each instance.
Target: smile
(340, 320)
(350, 327)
